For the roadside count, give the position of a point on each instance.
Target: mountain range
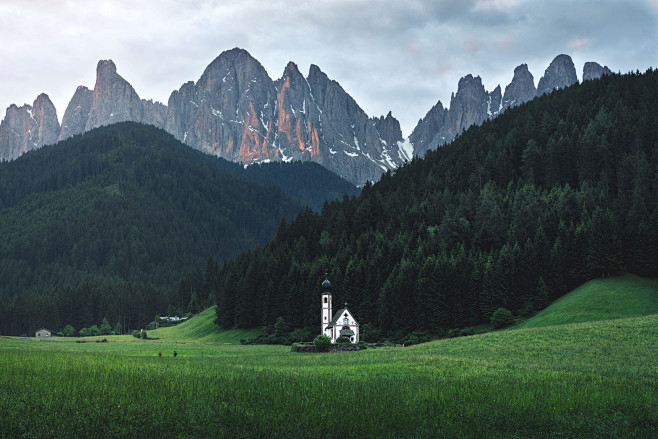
(237, 112)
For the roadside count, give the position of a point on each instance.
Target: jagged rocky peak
(233, 70)
(298, 127)
(593, 70)
(427, 129)
(229, 111)
(77, 113)
(318, 80)
(105, 70)
(559, 74)
(521, 89)
(28, 127)
(113, 99)
(388, 128)
(494, 102)
(467, 107)
(46, 116)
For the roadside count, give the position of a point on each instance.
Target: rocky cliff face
(472, 105)
(559, 74)
(521, 89)
(28, 127)
(592, 70)
(422, 138)
(228, 111)
(77, 113)
(112, 100)
(237, 112)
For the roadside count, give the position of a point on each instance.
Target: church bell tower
(326, 305)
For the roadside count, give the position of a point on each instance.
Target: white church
(342, 323)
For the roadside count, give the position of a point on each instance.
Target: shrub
(322, 343)
(94, 331)
(68, 331)
(299, 334)
(502, 317)
(137, 334)
(343, 340)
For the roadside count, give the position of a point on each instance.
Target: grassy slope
(601, 299)
(201, 328)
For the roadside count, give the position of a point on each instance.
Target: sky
(390, 55)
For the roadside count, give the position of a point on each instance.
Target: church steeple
(325, 318)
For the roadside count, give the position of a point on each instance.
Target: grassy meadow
(596, 379)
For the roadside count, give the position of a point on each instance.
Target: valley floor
(597, 379)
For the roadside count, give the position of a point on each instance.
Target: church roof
(338, 315)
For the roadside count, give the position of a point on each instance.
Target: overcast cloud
(390, 55)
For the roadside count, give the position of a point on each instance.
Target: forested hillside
(511, 214)
(307, 181)
(104, 224)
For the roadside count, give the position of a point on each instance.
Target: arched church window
(346, 321)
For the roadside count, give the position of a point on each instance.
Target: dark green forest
(513, 213)
(309, 182)
(104, 225)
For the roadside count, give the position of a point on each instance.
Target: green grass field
(597, 379)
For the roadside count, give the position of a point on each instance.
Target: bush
(68, 331)
(322, 343)
(343, 340)
(137, 334)
(94, 331)
(304, 335)
(502, 317)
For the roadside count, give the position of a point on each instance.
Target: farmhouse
(342, 323)
(43, 332)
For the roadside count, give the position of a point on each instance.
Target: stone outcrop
(28, 127)
(77, 113)
(471, 105)
(427, 133)
(521, 89)
(112, 100)
(559, 74)
(593, 70)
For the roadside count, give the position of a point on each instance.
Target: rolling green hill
(601, 299)
(201, 328)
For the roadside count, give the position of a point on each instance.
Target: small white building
(342, 323)
(43, 332)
